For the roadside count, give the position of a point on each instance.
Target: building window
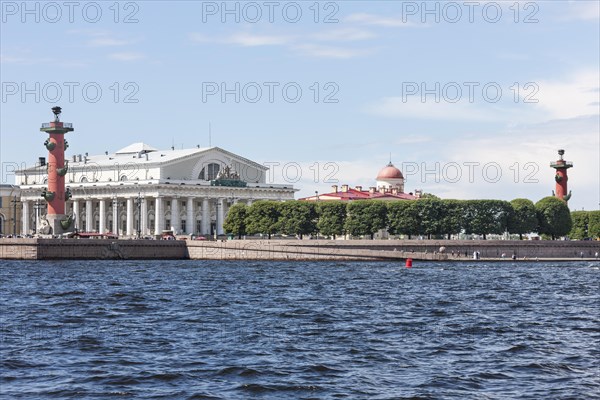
(1, 224)
(209, 172)
(168, 224)
(168, 204)
(198, 226)
(0, 202)
(183, 226)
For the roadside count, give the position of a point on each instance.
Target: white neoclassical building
(150, 190)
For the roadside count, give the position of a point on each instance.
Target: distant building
(10, 210)
(389, 186)
(141, 188)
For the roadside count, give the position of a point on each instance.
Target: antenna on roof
(390, 157)
(209, 136)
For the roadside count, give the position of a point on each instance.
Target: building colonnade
(150, 215)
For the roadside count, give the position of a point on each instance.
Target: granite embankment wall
(48, 249)
(43, 249)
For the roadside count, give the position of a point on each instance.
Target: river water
(299, 330)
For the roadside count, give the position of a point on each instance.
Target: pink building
(389, 186)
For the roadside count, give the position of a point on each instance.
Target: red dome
(389, 172)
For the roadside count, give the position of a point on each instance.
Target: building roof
(355, 194)
(138, 147)
(389, 172)
(141, 153)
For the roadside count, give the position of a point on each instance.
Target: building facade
(10, 210)
(140, 190)
(389, 186)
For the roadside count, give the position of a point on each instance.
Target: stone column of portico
(89, 216)
(144, 216)
(102, 216)
(205, 217)
(159, 218)
(25, 218)
(190, 223)
(220, 216)
(129, 225)
(76, 214)
(175, 221)
(115, 212)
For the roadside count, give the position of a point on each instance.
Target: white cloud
(543, 100)
(107, 42)
(344, 35)
(26, 58)
(245, 39)
(101, 38)
(303, 44)
(316, 50)
(251, 40)
(575, 96)
(377, 20)
(413, 107)
(583, 10)
(127, 56)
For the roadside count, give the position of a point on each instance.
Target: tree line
(586, 224)
(424, 217)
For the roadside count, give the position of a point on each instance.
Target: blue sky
(471, 101)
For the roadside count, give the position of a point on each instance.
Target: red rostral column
(561, 177)
(55, 195)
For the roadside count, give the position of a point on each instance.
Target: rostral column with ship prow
(561, 166)
(55, 194)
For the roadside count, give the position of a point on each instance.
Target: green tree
(579, 230)
(366, 217)
(484, 217)
(429, 196)
(451, 220)
(297, 218)
(331, 218)
(554, 218)
(523, 219)
(594, 224)
(402, 218)
(430, 213)
(263, 217)
(235, 222)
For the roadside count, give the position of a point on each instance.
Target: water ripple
(238, 330)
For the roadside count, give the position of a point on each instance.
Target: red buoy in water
(408, 262)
